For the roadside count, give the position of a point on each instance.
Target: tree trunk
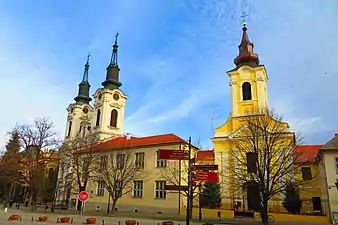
(34, 196)
(264, 211)
(114, 205)
(13, 191)
(6, 195)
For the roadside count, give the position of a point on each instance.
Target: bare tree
(39, 142)
(41, 133)
(79, 157)
(117, 172)
(262, 159)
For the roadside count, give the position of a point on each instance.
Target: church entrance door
(253, 196)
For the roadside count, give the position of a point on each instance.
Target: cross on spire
(117, 34)
(88, 56)
(243, 18)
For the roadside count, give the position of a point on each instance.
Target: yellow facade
(257, 77)
(310, 189)
(152, 173)
(248, 88)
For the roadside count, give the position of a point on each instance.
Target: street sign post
(176, 188)
(206, 176)
(206, 167)
(170, 154)
(83, 197)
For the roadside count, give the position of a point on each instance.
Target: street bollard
(102, 222)
(32, 218)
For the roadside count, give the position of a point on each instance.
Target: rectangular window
(118, 189)
(160, 189)
(306, 173)
(120, 160)
(103, 162)
(100, 188)
(138, 189)
(139, 160)
(337, 165)
(160, 163)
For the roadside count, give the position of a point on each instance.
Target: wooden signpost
(176, 188)
(206, 176)
(206, 167)
(170, 154)
(199, 173)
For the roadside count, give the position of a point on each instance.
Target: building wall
(329, 160)
(311, 188)
(148, 203)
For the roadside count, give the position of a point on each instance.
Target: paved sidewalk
(119, 220)
(77, 219)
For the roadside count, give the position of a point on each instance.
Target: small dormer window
(246, 91)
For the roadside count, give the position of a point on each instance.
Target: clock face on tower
(85, 110)
(116, 96)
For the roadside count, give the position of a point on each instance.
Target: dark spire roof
(84, 86)
(246, 55)
(113, 70)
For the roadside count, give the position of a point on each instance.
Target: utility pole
(189, 195)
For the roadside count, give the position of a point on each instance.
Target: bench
(244, 214)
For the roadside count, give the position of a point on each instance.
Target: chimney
(128, 136)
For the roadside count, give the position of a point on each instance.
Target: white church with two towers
(106, 116)
(105, 119)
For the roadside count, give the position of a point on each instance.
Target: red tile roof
(206, 155)
(307, 153)
(135, 142)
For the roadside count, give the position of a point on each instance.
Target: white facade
(105, 121)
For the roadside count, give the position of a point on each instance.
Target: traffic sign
(83, 196)
(171, 154)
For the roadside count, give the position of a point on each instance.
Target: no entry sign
(83, 196)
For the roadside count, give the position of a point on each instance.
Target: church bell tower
(248, 80)
(80, 111)
(110, 102)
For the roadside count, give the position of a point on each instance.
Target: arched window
(98, 117)
(113, 118)
(246, 91)
(69, 128)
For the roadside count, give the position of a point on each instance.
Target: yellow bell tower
(248, 81)
(248, 88)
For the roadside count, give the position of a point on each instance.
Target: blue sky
(173, 58)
